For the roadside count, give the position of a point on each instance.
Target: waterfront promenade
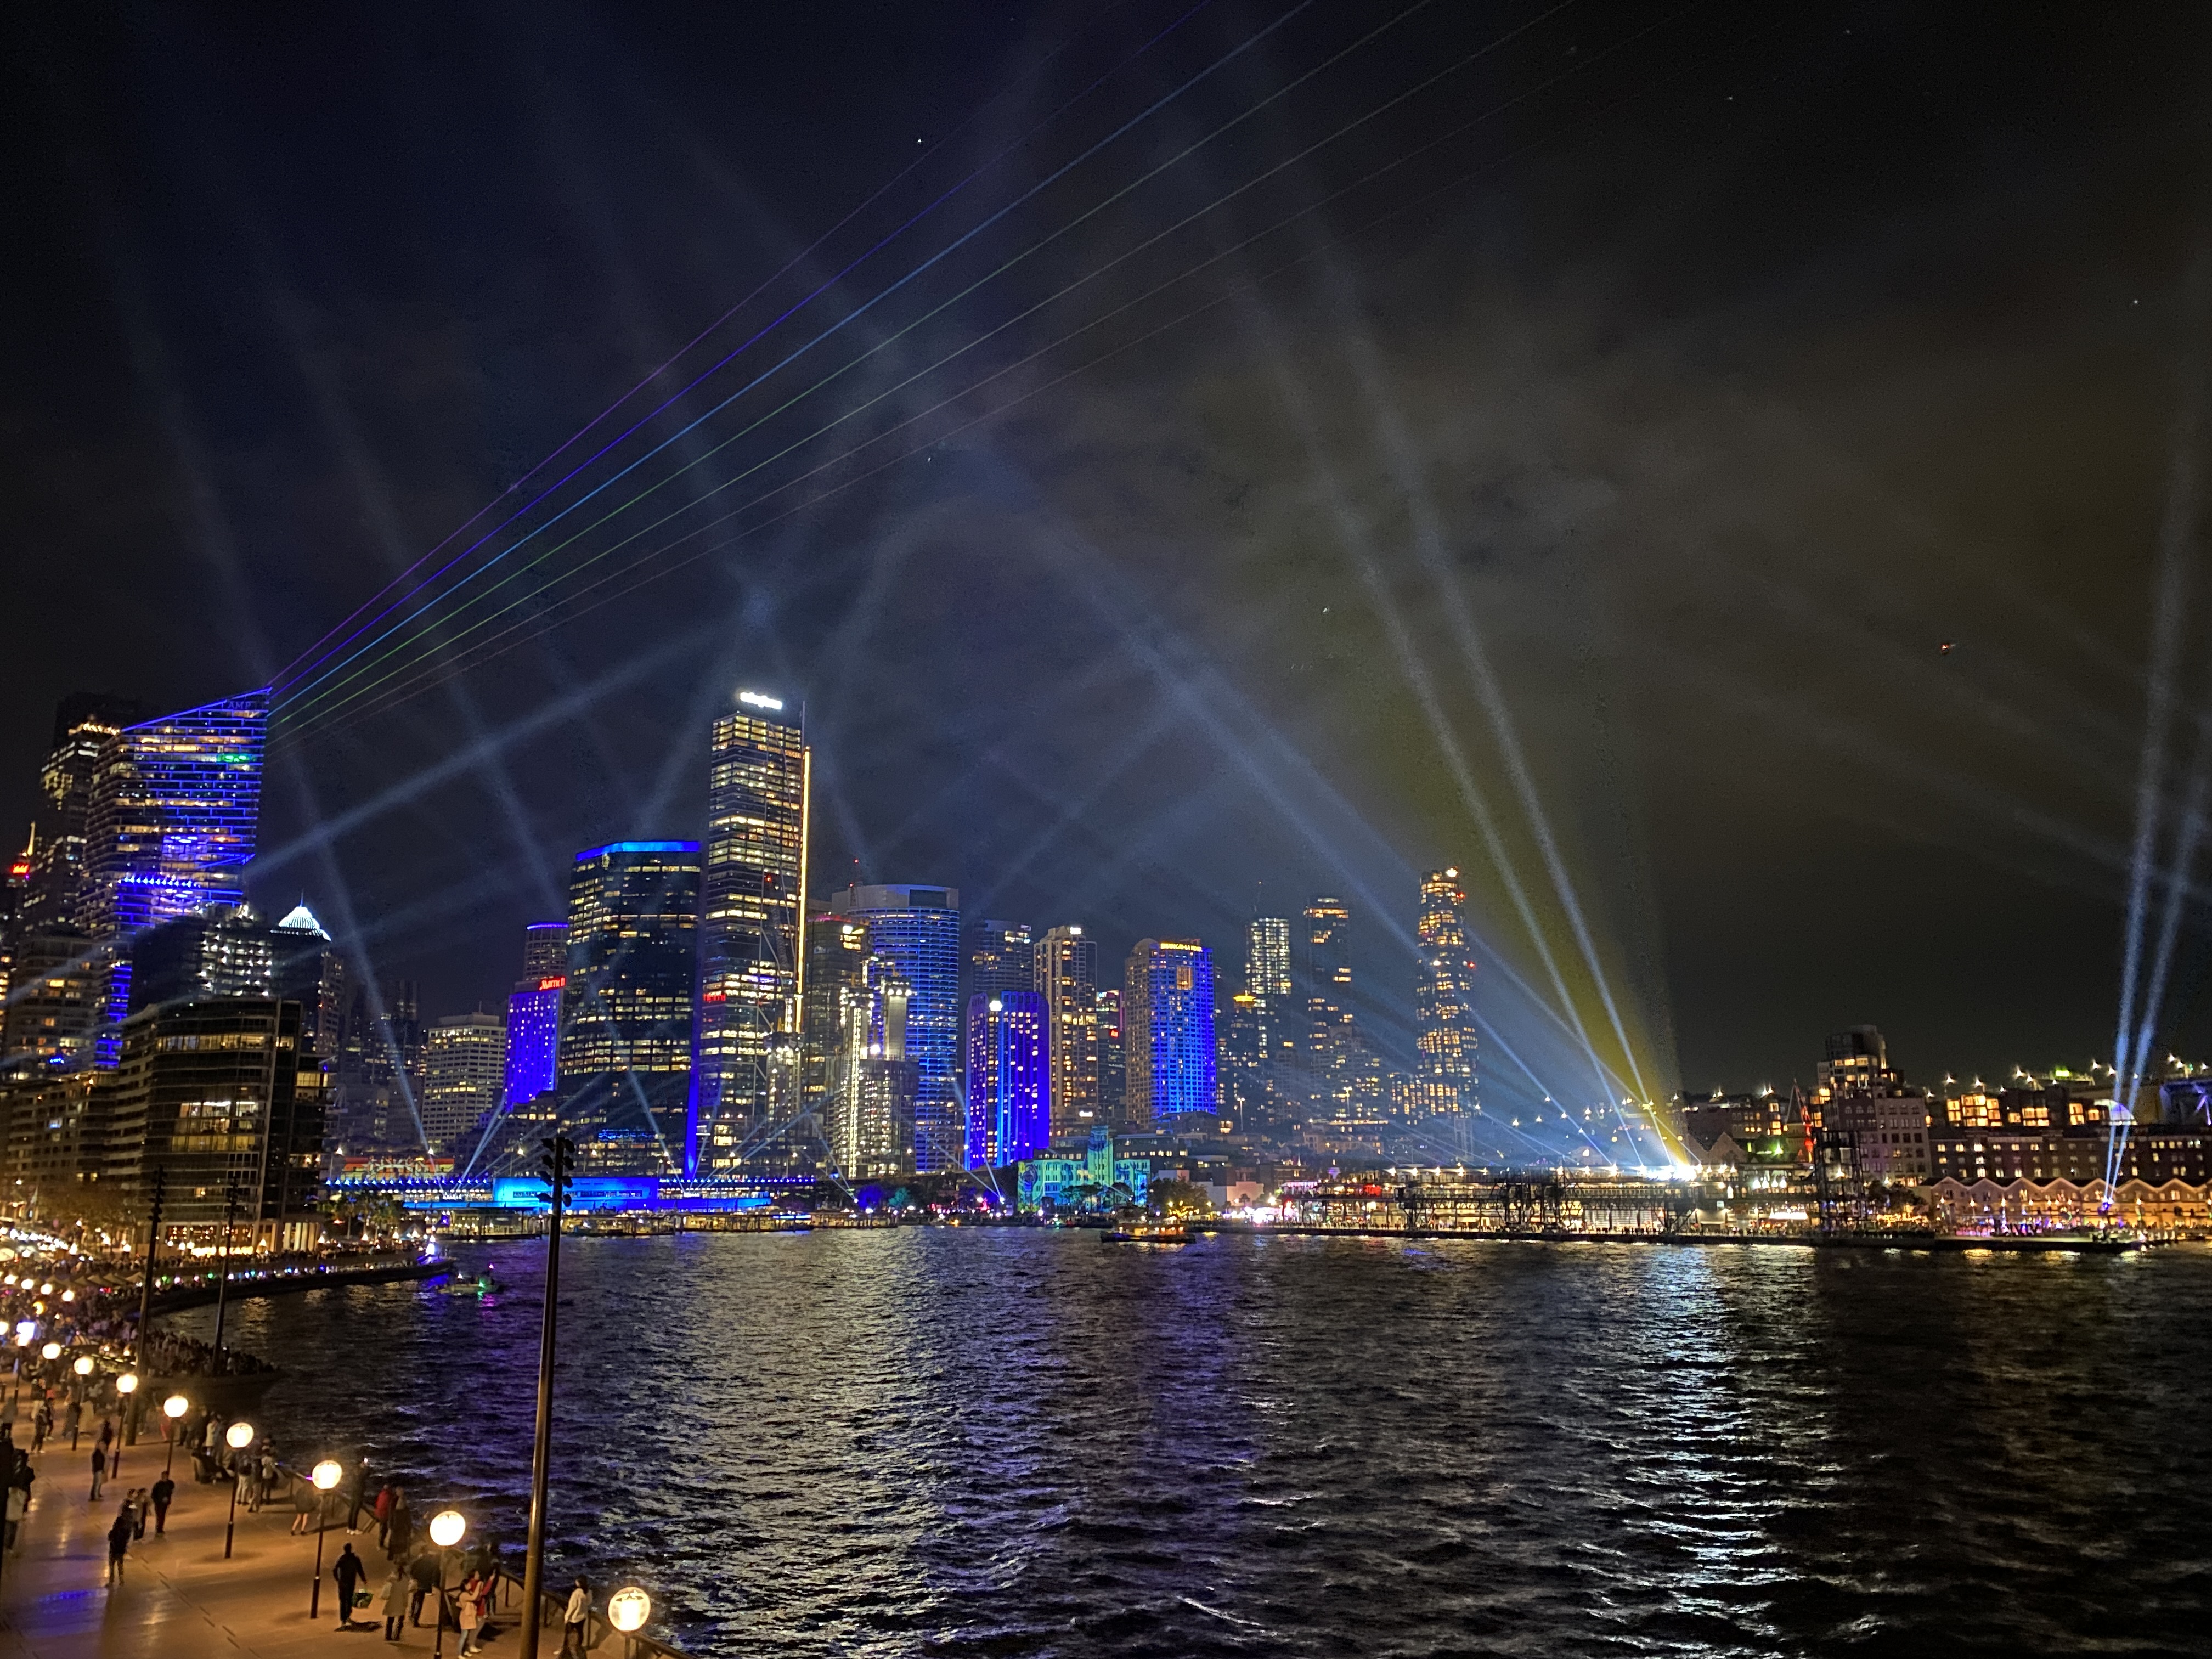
(179, 1599)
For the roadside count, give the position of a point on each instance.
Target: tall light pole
(446, 1529)
(222, 1269)
(152, 1249)
(174, 1408)
(327, 1473)
(240, 1436)
(126, 1386)
(559, 1164)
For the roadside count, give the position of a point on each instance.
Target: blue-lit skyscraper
(174, 809)
(918, 928)
(1168, 1022)
(1009, 1079)
(533, 1013)
(624, 1069)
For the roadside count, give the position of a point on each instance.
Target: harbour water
(1020, 1442)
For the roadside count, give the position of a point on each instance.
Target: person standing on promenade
(99, 1470)
(423, 1576)
(119, 1544)
(307, 1503)
(354, 1499)
(573, 1619)
(139, 1505)
(347, 1572)
(394, 1604)
(42, 1424)
(399, 1530)
(468, 1612)
(385, 1494)
(159, 1494)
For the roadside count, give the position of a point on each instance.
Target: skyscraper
(55, 885)
(1443, 1001)
(836, 962)
(918, 929)
(1067, 978)
(752, 964)
(305, 969)
(463, 1069)
(1113, 1059)
(1169, 1030)
(171, 820)
(1009, 1079)
(533, 1014)
(1326, 1043)
(624, 1067)
(867, 1108)
(1001, 957)
(1264, 1034)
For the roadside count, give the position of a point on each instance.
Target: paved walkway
(179, 1599)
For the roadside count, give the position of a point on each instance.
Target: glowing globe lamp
(51, 1351)
(83, 1366)
(127, 1383)
(629, 1609)
(327, 1473)
(239, 1434)
(446, 1527)
(175, 1406)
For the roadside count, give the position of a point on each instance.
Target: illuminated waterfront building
(870, 1080)
(1090, 1181)
(752, 961)
(1113, 1059)
(1169, 1030)
(533, 1014)
(464, 1071)
(918, 929)
(170, 825)
(1009, 1079)
(54, 1001)
(218, 1095)
(1443, 1084)
(624, 1065)
(836, 961)
(1067, 979)
(1326, 1043)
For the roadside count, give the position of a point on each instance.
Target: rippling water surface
(1015, 1442)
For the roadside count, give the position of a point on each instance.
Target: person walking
(306, 1504)
(19, 1505)
(423, 1578)
(159, 1494)
(99, 1470)
(347, 1572)
(394, 1604)
(265, 1477)
(138, 1507)
(574, 1619)
(42, 1424)
(119, 1544)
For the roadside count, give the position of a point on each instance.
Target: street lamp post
(559, 1163)
(125, 1386)
(82, 1367)
(327, 1473)
(174, 1408)
(447, 1528)
(240, 1436)
(628, 1609)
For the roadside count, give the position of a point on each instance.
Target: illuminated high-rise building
(1443, 1084)
(56, 884)
(1067, 979)
(1268, 958)
(1009, 1079)
(533, 1014)
(1113, 1059)
(170, 824)
(463, 1070)
(1168, 1022)
(1002, 956)
(867, 1101)
(1261, 1087)
(918, 930)
(624, 1069)
(1327, 1046)
(306, 969)
(752, 960)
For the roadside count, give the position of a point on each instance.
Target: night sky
(1611, 408)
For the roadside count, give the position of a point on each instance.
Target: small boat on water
(483, 1284)
(1146, 1232)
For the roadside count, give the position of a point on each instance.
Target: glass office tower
(1009, 1079)
(1067, 979)
(752, 959)
(918, 929)
(624, 1066)
(1167, 1003)
(170, 823)
(1443, 1001)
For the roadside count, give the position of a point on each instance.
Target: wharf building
(623, 1073)
(752, 966)
(1168, 1017)
(1067, 979)
(1009, 1079)
(917, 929)
(1444, 1082)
